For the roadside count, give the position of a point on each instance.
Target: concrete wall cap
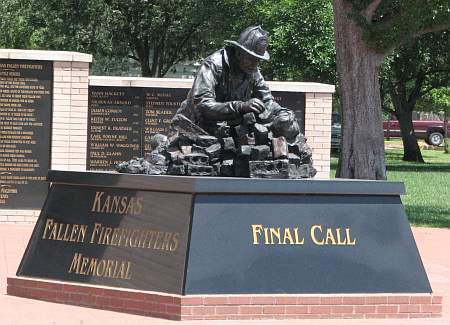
(45, 55)
(306, 87)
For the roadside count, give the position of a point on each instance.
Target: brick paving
(434, 246)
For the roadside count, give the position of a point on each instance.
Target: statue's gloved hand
(253, 105)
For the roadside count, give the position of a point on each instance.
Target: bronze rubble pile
(246, 150)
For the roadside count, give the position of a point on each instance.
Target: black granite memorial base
(203, 235)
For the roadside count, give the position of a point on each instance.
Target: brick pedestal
(267, 306)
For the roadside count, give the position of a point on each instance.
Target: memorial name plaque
(114, 126)
(161, 104)
(113, 237)
(25, 115)
(121, 120)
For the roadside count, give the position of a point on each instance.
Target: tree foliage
(161, 33)
(155, 33)
(437, 100)
(17, 28)
(71, 25)
(301, 40)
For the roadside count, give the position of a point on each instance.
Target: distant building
(184, 70)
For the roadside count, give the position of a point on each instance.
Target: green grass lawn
(427, 198)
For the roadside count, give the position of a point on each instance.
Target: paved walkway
(434, 246)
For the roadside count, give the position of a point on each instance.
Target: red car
(431, 131)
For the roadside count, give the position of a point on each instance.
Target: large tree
(411, 72)
(366, 32)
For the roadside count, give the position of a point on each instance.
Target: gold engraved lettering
(159, 236)
(48, 225)
(64, 231)
(106, 203)
(333, 236)
(130, 207)
(166, 241)
(122, 271)
(92, 266)
(139, 205)
(82, 233)
(275, 232)
(330, 237)
(338, 237)
(103, 203)
(115, 237)
(60, 228)
(152, 234)
(105, 268)
(75, 265)
(128, 271)
(142, 239)
(53, 232)
(106, 239)
(97, 228)
(287, 236)
(276, 235)
(175, 242)
(266, 236)
(100, 238)
(101, 267)
(74, 233)
(349, 238)
(125, 233)
(256, 229)
(116, 269)
(134, 238)
(297, 241)
(123, 205)
(109, 265)
(115, 203)
(84, 264)
(313, 235)
(97, 201)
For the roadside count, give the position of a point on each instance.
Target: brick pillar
(70, 108)
(318, 130)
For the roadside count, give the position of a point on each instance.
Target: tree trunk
(144, 61)
(411, 149)
(362, 151)
(145, 69)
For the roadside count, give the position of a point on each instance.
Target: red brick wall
(274, 306)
